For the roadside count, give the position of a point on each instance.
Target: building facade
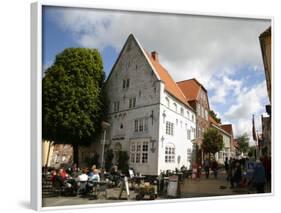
(265, 43)
(197, 97)
(227, 135)
(149, 116)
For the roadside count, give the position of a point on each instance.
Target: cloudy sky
(222, 53)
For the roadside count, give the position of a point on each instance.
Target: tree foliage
(214, 116)
(212, 141)
(243, 142)
(72, 97)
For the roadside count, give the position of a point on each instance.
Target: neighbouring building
(227, 141)
(55, 155)
(149, 115)
(230, 149)
(197, 97)
(265, 140)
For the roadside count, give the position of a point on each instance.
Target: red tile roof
(170, 84)
(227, 128)
(190, 88)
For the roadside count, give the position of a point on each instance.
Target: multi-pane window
(132, 103)
(139, 152)
(193, 132)
(206, 114)
(175, 107)
(169, 154)
(182, 112)
(168, 102)
(188, 134)
(187, 114)
(126, 83)
(169, 128)
(141, 124)
(192, 118)
(189, 154)
(202, 112)
(116, 106)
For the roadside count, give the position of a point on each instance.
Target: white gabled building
(149, 116)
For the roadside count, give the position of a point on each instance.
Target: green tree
(243, 142)
(72, 98)
(214, 116)
(212, 141)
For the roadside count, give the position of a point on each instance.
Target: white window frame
(182, 111)
(141, 124)
(168, 102)
(169, 128)
(175, 107)
(139, 152)
(170, 153)
(188, 134)
(116, 106)
(132, 102)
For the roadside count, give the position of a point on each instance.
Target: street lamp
(104, 125)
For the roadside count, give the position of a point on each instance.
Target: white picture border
(36, 105)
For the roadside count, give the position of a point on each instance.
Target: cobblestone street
(189, 189)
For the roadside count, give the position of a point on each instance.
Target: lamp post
(104, 125)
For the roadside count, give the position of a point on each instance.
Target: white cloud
(210, 49)
(223, 87)
(191, 44)
(248, 103)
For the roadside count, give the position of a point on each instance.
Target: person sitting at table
(83, 177)
(91, 173)
(82, 182)
(63, 174)
(95, 177)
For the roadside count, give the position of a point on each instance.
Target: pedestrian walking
(266, 161)
(206, 165)
(259, 177)
(226, 168)
(237, 175)
(215, 167)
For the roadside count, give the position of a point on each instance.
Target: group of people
(213, 165)
(76, 177)
(59, 176)
(248, 172)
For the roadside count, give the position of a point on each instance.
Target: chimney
(154, 55)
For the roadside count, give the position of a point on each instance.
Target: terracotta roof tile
(227, 128)
(190, 88)
(170, 84)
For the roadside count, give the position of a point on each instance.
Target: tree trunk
(75, 154)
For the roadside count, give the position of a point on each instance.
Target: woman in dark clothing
(214, 168)
(237, 175)
(259, 177)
